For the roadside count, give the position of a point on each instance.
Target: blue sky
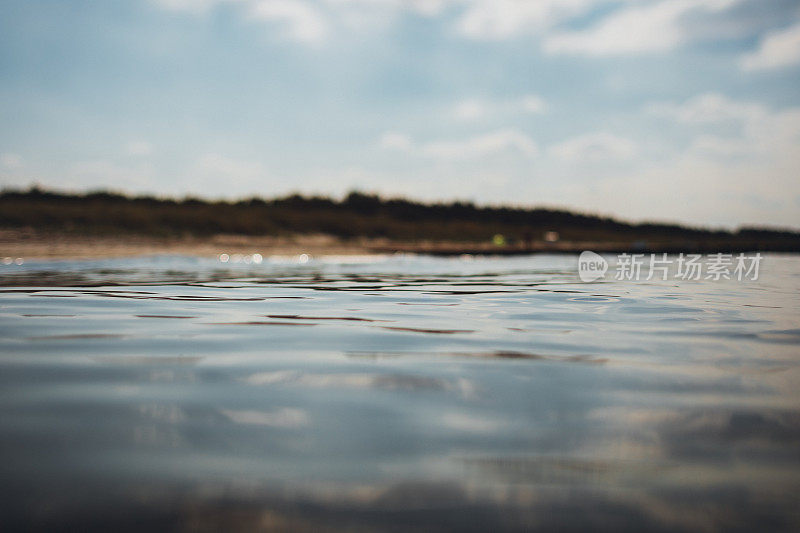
(674, 110)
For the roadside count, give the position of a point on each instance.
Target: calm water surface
(394, 393)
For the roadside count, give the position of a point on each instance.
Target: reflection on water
(396, 392)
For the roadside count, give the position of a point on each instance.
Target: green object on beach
(499, 240)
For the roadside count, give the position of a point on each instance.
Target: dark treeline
(357, 215)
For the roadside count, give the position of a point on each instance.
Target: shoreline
(36, 246)
(32, 245)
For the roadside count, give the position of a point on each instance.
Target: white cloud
(655, 27)
(395, 141)
(693, 190)
(488, 144)
(715, 146)
(11, 161)
(637, 26)
(282, 418)
(758, 130)
(779, 130)
(427, 8)
(708, 108)
(737, 166)
(594, 147)
(192, 6)
(469, 109)
(482, 145)
(702, 188)
(749, 171)
(308, 20)
(311, 21)
(472, 109)
(777, 49)
(303, 21)
(501, 19)
(534, 104)
(139, 148)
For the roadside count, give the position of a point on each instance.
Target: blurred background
(673, 110)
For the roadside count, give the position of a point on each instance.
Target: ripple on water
(438, 394)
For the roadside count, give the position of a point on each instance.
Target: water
(396, 392)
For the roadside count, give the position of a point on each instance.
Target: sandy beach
(33, 245)
(41, 246)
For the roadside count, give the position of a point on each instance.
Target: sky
(647, 110)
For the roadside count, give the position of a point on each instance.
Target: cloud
(395, 141)
(312, 21)
(708, 108)
(309, 20)
(736, 165)
(501, 19)
(534, 104)
(655, 27)
(698, 189)
(488, 144)
(594, 147)
(11, 161)
(427, 8)
(724, 147)
(472, 109)
(286, 417)
(191, 6)
(752, 166)
(622, 27)
(757, 128)
(302, 20)
(778, 49)
(482, 145)
(773, 137)
(139, 148)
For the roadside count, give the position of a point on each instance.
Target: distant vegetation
(357, 215)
